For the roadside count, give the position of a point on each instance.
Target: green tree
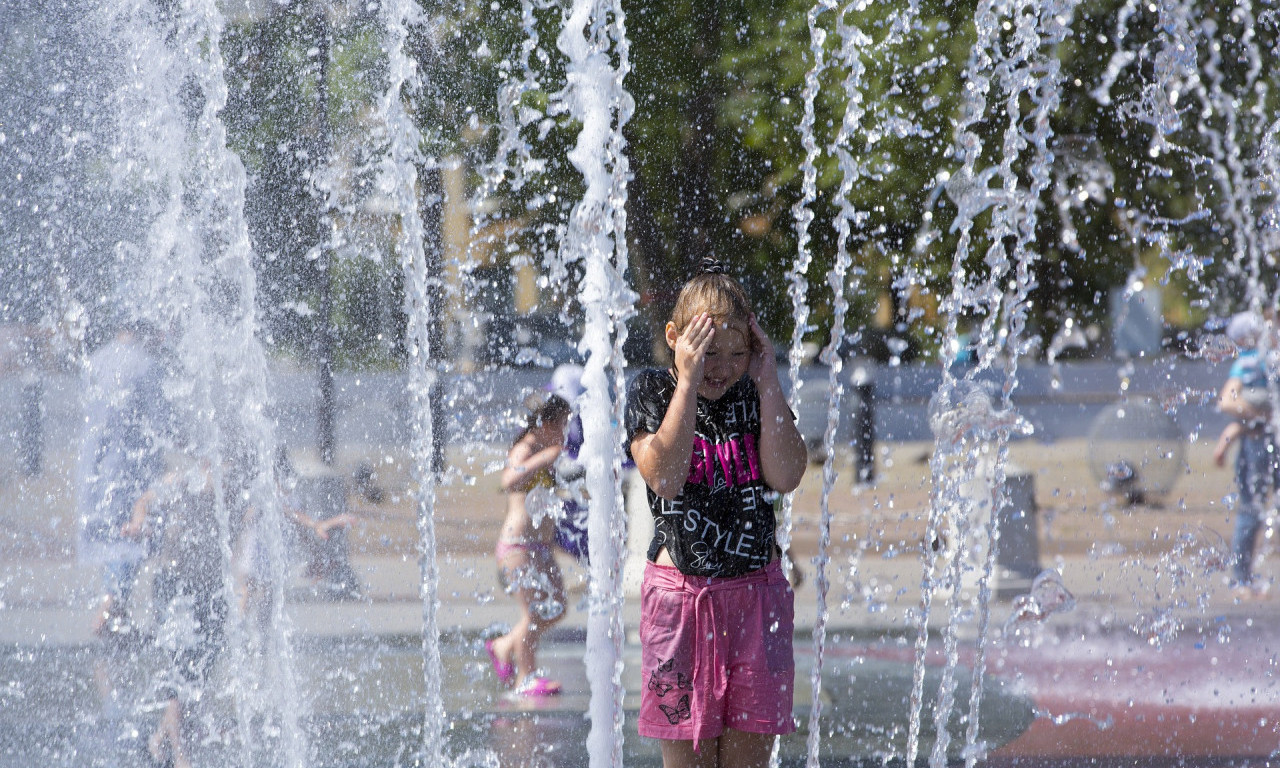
(716, 153)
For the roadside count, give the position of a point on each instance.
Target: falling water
(946, 494)
(1228, 163)
(202, 288)
(1021, 70)
(853, 42)
(797, 277)
(514, 164)
(1040, 27)
(398, 179)
(798, 290)
(1177, 75)
(620, 306)
(594, 32)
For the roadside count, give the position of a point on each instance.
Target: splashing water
(966, 413)
(959, 414)
(202, 291)
(594, 31)
(1199, 553)
(1217, 348)
(853, 42)
(797, 276)
(1048, 596)
(398, 176)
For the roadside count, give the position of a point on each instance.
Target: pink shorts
(716, 654)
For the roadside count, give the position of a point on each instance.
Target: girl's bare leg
(748, 750)
(167, 740)
(521, 643)
(680, 754)
(734, 749)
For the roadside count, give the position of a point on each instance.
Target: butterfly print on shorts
(679, 713)
(657, 686)
(661, 685)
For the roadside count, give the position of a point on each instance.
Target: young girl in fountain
(526, 563)
(716, 442)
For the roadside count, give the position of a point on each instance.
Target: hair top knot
(713, 266)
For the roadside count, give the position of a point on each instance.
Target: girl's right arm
(1228, 436)
(134, 527)
(662, 457)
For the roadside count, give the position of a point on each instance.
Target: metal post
(326, 418)
(31, 430)
(431, 202)
(864, 427)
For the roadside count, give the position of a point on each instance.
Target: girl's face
(728, 357)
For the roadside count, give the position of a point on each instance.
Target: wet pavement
(1157, 663)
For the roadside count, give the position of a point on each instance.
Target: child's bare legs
(734, 749)
(539, 587)
(167, 739)
(105, 606)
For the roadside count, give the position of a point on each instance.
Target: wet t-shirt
(722, 523)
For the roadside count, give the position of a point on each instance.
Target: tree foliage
(1156, 165)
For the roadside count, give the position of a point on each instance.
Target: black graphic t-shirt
(722, 524)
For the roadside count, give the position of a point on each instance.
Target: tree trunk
(652, 275)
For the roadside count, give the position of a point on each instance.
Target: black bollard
(31, 431)
(864, 429)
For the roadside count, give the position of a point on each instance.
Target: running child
(716, 442)
(526, 562)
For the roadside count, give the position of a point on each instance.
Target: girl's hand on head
(691, 348)
(764, 363)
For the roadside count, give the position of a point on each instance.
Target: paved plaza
(1158, 658)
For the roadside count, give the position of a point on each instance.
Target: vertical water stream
(594, 42)
(399, 180)
(195, 281)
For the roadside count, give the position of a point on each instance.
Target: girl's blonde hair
(715, 293)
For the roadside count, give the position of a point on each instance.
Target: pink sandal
(505, 670)
(537, 686)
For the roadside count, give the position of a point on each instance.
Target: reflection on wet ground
(1097, 698)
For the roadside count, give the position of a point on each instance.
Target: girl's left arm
(783, 457)
(523, 463)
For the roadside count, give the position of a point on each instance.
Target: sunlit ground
(1158, 657)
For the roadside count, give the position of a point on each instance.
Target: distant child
(570, 473)
(128, 424)
(715, 441)
(1246, 398)
(188, 590)
(526, 561)
(301, 533)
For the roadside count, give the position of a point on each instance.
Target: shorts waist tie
(701, 587)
